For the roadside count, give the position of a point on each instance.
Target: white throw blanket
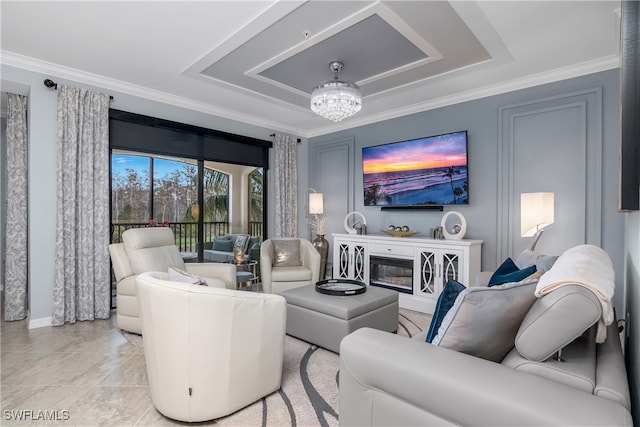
(588, 266)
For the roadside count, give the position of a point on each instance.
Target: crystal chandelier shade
(335, 99)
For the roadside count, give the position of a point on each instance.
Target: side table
(246, 273)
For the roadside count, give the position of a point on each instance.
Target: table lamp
(536, 213)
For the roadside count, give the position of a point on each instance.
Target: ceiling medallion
(335, 99)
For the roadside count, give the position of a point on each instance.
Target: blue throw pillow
(509, 272)
(223, 245)
(445, 302)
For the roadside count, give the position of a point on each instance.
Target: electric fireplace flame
(392, 273)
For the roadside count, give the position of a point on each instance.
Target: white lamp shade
(315, 204)
(536, 212)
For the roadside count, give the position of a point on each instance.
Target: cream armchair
(209, 351)
(154, 249)
(278, 278)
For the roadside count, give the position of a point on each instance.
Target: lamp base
(536, 237)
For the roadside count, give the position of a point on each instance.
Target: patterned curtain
(286, 183)
(15, 250)
(81, 289)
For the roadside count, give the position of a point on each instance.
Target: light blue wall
(481, 119)
(42, 169)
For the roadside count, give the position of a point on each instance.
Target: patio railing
(186, 233)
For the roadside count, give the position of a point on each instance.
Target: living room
(581, 170)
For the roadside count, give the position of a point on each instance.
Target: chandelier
(334, 99)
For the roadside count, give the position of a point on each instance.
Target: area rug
(309, 392)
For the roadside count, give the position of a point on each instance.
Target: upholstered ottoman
(325, 319)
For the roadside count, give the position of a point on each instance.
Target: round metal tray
(340, 287)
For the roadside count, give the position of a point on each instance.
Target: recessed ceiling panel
(383, 45)
(368, 48)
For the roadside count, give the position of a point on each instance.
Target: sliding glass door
(157, 191)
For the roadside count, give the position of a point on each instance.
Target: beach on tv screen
(424, 171)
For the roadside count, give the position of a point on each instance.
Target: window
(203, 182)
(130, 189)
(146, 189)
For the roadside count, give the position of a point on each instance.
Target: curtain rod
(51, 84)
(298, 140)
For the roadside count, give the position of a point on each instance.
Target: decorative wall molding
(563, 126)
(332, 172)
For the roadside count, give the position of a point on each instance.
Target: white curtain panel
(81, 288)
(15, 250)
(286, 185)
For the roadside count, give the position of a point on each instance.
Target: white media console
(417, 268)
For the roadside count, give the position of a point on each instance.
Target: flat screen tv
(430, 171)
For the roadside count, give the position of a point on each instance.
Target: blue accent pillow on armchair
(445, 302)
(509, 272)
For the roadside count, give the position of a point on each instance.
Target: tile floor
(86, 374)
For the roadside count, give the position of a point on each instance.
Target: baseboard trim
(39, 323)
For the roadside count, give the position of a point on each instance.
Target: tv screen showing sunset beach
(424, 171)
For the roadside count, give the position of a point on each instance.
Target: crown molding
(552, 76)
(109, 84)
(572, 71)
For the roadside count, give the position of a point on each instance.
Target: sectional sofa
(554, 371)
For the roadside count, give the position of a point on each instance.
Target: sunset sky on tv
(431, 152)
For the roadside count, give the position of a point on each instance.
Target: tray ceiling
(258, 61)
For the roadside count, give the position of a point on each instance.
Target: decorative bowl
(400, 233)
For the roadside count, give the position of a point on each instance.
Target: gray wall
(482, 118)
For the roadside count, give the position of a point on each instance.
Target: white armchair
(154, 249)
(209, 351)
(279, 278)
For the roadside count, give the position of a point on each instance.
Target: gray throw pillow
(242, 242)
(286, 252)
(541, 261)
(483, 322)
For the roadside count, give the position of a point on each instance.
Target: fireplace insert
(392, 273)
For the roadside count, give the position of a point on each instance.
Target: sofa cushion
(541, 261)
(445, 301)
(217, 256)
(555, 320)
(286, 252)
(222, 244)
(509, 272)
(483, 322)
(296, 273)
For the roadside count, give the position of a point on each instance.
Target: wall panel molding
(533, 137)
(332, 172)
